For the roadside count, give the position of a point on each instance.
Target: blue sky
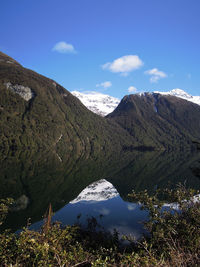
(108, 46)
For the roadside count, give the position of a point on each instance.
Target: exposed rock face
(25, 92)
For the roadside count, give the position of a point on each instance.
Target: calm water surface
(35, 180)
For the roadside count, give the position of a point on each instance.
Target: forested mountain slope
(36, 112)
(158, 120)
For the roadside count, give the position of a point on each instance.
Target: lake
(97, 187)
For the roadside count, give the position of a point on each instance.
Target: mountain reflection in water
(102, 201)
(40, 179)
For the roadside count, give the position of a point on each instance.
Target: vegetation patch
(173, 239)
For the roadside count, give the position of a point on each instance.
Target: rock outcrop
(25, 92)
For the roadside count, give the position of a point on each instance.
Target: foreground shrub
(174, 230)
(173, 238)
(4, 208)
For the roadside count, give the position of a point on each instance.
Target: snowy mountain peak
(103, 104)
(97, 102)
(182, 94)
(98, 191)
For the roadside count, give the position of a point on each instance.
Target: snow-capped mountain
(104, 104)
(97, 191)
(182, 94)
(98, 103)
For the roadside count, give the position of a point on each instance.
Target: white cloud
(132, 89)
(65, 48)
(132, 206)
(106, 84)
(124, 65)
(155, 75)
(103, 211)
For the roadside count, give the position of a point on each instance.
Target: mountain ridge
(158, 120)
(36, 112)
(49, 112)
(103, 104)
(182, 94)
(98, 103)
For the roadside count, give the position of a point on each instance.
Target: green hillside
(36, 112)
(51, 118)
(160, 121)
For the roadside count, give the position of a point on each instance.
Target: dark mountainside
(157, 169)
(36, 112)
(159, 121)
(196, 169)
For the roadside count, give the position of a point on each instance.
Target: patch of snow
(104, 104)
(97, 191)
(25, 92)
(182, 94)
(141, 94)
(97, 102)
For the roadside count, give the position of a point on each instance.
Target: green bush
(173, 238)
(174, 232)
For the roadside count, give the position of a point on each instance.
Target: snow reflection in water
(102, 201)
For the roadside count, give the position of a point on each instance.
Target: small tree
(174, 229)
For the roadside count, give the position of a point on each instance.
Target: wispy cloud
(155, 75)
(65, 48)
(103, 211)
(132, 206)
(105, 85)
(124, 65)
(132, 89)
